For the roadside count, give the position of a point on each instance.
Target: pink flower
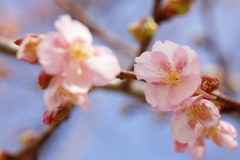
(191, 112)
(223, 135)
(57, 96)
(171, 72)
(28, 47)
(70, 54)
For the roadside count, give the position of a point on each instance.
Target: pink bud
(57, 115)
(209, 83)
(44, 80)
(28, 47)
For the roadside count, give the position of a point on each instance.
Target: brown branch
(83, 16)
(31, 150)
(230, 104)
(8, 47)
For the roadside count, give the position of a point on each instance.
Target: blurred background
(117, 126)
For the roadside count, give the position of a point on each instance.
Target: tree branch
(113, 39)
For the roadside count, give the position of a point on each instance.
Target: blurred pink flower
(191, 112)
(28, 47)
(57, 96)
(69, 53)
(223, 135)
(171, 72)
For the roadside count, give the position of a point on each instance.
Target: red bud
(209, 83)
(44, 80)
(57, 115)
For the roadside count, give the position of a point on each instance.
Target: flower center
(210, 132)
(197, 114)
(80, 51)
(171, 76)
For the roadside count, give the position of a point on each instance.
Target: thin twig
(8, 47)
(230, 103)
(32, 149)
(83, 16)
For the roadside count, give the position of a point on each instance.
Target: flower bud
(44, 80)
(143, 29)
(176, 7)
(28, 137)
(52, 118)
(209, 83)
(28, 47)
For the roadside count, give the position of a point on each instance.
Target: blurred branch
(8, 47)
(230, 104)
(32, 150)
(83, 16)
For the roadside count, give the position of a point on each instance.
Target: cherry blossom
(57, 96)
(193, 111)
(223, 135)
(171, 72)
(69, 53)
(28, 47)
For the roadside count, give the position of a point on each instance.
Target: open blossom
(223, 135)
(69, 53)
(171, 72)
(57, 96)
(28, 47)
(191, 112)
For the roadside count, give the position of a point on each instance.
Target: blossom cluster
(71, 66)
(173, 84)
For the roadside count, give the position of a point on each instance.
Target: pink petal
(52, 54)
(213, 113)
(105, 66)
(227, 141)
(78, 77)
(72, 30)
(196, 152)
(49, 96)
(148, 65)
(187, 86)
(167, 48)
(227, 128)
(156, 95)
(145, 73)
(180, 58)
(193, 62)
(179, 147)
(82, 101)
(182, 131)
